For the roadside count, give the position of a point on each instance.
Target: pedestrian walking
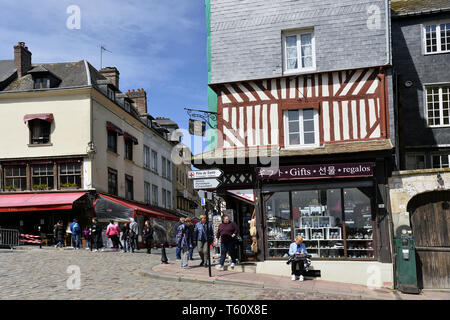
(135, 227)
(191, 250)
(227, 233)
(131, 239)
(178, 250)
(113, 233)
(76, 234)
(60, 233)
(202, 240)
(96, 235)
(184, 241)
(87, 237)
(119, 243)
(148, 236)
(125, 232)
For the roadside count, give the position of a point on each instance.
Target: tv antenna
(102, 48)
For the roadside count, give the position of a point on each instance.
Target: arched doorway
(430, 221)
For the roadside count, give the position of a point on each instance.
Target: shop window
(358, 223)
(15, 178)
(279, 234)
(112, 141)
(317, 218)
(39, 131)
(42, 177)
(112, 181)
(70, 175)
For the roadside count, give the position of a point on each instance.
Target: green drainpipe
(212, 96)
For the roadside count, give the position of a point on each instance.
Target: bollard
(163, 254)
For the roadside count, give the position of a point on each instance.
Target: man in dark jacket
(96, 234)
(177, 226)
(201, 240)
(60, 232)
(227, 233)
(148, 236)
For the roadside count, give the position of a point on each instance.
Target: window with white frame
(437, 38)
(146, 157)
(301, 127)
(440, 161)
(438, 105)
(163, 167)
(154, 161)
(155, 195)
(299, 51)
(147, 192)
(415, 161)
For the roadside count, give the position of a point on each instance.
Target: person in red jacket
(113, 232)
(227, 233)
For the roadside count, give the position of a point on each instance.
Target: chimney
(112, 74)
(140, 99)
(22, 59)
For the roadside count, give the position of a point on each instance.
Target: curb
(213, 281)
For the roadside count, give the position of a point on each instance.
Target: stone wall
(404, 185)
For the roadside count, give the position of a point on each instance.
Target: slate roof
(416, 7)
(7, 70)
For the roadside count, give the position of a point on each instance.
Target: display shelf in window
(304, 232)
(363, 234)
(317, 233)
(333, 233)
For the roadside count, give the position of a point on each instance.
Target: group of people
(202, 236)
(128, 235)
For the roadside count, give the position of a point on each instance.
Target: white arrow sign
(206, 184)
(205, 174)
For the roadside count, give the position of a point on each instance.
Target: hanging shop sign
(348, 170)
(205, 174)
(206, 184)
(197, 127)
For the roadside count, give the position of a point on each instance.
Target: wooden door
(430, 221)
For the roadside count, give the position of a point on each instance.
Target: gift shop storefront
(338, 210)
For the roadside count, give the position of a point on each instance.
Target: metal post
(207, 241)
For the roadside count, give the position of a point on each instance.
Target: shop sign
(348, 170)
(205, 174)
(206, 184)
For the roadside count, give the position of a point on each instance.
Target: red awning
(128, 136)
(41, 116)
(112, 127)
(144, 210)
(38, 202)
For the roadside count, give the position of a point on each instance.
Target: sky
(158, 45)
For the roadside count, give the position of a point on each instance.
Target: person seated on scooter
(297, 251)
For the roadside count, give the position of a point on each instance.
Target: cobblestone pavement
(42, 274)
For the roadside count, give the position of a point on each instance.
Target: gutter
(419, 13)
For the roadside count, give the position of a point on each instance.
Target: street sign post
(205, 174)
(206, 184)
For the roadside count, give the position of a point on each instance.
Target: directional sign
(206, 184)
(205, 174)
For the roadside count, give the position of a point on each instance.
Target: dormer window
(111, 94)
(127, 105)
(42, 83)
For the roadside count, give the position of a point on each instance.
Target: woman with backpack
(148, 236)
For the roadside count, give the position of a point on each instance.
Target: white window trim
(440, 155)
(441, 105)
(298, 33)
(286, 131)
(438, 37)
